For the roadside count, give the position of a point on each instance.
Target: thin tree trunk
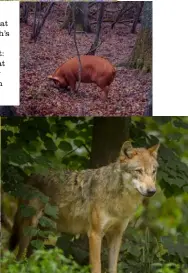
(75, 42)
(137, 16)
(121, 13)
(148, 110)
(81, 17)
(99, 24)
(37, 26)
(68, 17)
(87, 27)
(25, 13)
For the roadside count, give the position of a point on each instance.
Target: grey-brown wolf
(98, 202)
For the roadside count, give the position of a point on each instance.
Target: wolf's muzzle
(151, 192)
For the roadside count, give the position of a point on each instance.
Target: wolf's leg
(114, 239)
(95, 239)
(25, 239)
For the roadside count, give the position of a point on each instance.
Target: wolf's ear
(154, 150)
(127, 151)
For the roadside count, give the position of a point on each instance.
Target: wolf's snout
(151, 192)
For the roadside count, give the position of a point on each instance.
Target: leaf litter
(128, 92)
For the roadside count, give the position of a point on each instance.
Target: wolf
(97, 202)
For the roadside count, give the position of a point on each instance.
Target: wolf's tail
(14, 238)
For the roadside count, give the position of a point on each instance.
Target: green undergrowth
(51, 261)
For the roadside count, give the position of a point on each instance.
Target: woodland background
(156, 240)
(118, 31)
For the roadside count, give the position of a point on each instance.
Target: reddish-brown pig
(94, 70)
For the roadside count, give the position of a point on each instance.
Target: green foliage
(51, 261)
(167, 268)
(142, 252)
(33, 145)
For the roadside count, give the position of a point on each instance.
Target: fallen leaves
(128, 92)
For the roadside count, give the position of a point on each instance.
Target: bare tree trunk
(149, 108)
(37, 6)
(121, 13)
(75, 42)
(141, 57)
(25, 13)
(37, 26)
(87, 27)
(137, 16)
(68, 17)
(99, 24)
(81, 17)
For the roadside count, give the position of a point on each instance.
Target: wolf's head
(139, 167)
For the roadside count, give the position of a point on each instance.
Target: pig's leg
(104, 88)
(72, 86)
(105, 91)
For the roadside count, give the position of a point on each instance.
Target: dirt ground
(128, 92)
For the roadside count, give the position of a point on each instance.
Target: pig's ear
(50, 77)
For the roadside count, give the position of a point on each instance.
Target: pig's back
(89, 62)
(94, 68)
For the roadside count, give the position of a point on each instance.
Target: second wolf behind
(98, 202)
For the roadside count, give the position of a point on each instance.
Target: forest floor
(128, 92)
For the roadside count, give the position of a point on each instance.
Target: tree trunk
(108, 136)
(141, 57)
(68, 17)
(148, 110)
(40, 20)
(87, 27)
(81, 17)
(25, 13)
(99, 24)
(137, 16)
(124, 9)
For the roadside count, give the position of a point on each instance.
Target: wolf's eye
(140, 171)
(154, 172)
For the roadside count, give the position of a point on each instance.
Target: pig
(94, 70)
